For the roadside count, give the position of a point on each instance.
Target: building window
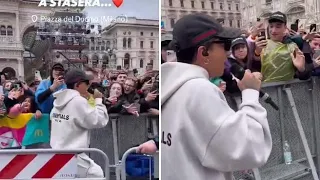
(230, 23)
(126, 61)
(3, 31)
(129, 42)
(229, 7)
(212, 5)
(202, 4)
(237, 7)
(92, 48)
(172, 22)
(141, 63)
(192, 4)
(221, 6)
(170, 3)
(102, 48)
(181, 3)
(151, 34)
(238, 23)
(124, 42)
(141, 33)
(268, 1)
(97, 48)
(151, 44)
(141, 44)
(221, 21)
(9, 31)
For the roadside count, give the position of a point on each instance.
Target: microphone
(239, 71)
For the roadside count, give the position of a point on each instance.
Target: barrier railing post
(115, 145)
(315, 113)
(301, 133)
(123, 162)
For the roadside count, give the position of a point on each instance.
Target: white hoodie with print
(202, 137)
(72, 118)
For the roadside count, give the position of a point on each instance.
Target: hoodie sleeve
(91, 117)
(228, 141)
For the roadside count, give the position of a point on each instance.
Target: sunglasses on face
(84, 81)
(225, 42)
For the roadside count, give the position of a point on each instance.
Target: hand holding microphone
(249, 81)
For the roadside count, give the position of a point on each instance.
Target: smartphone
(105, 83)
(294, 27)
(37, 75)
(316, 54)
(16, 86)
(263, 34)
(313, 28)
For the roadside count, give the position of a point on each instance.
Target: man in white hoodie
(72, 118)
(202, 137)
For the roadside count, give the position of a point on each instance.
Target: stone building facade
(308, 11)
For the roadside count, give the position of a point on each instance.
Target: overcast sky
(145, 9)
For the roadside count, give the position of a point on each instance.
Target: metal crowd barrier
(297, 122)
(123, 163)
(127, 131)
(25, 163)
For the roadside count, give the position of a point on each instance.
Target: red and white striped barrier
(35, 166)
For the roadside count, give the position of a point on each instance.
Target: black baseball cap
(278, 16)
(238, 40)
(76, 75)
(195, 29)
(58, 66)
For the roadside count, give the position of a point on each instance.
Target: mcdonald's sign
(38, 133)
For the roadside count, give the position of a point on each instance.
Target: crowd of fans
(271, 48)
(122, 93)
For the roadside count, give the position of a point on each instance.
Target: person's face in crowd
(82, 87)
(315, 44)
(129, 86)
(116, 90)
(149, 67)
(7, 86)
(213, 62)
(56, 72)
(121, 78)
(277, 31)
(27, 103)
(240, 51)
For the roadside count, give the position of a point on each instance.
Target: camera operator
(201, 134)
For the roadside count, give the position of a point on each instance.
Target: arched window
(126, 61)
(129, 42)
(9, 31)
(105, 59)
(3, 30)
(141, 63)
(95, 59)
(124, 42)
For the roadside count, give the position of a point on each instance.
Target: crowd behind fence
(283, 127)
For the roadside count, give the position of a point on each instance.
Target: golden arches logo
(38, 133)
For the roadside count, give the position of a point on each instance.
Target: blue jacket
(47, 105)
